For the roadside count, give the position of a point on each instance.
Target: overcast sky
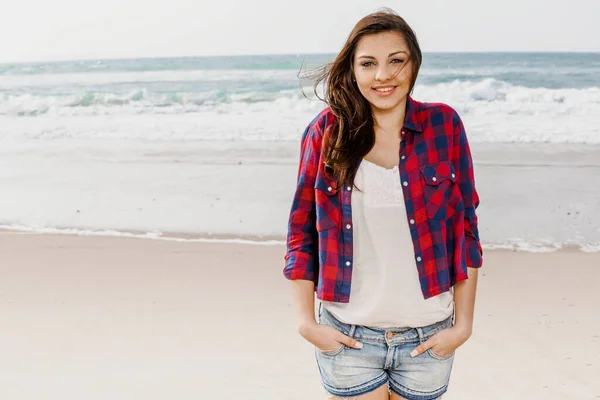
(80, 29)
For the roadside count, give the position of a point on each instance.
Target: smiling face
(383, 70)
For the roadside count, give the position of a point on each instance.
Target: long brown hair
(353, 136)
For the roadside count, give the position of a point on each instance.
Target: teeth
(384, 89)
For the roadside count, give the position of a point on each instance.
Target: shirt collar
(412, 113)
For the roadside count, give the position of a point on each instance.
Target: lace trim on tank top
(382, 186)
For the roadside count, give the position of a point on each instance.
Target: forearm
(303, 293)
(464, 302)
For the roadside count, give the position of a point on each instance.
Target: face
(382, 69)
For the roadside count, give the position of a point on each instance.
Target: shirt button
(454, 176)
(348, 263)
(348, 226)
(412, 221)
(403, 157)
(434, 179)
(405, 183)
(419, 259)
(403, 132)
(349, 188)
(329, 189)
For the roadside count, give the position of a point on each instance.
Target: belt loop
(352, 330)
(421, 334)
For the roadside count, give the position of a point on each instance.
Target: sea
(205, 148)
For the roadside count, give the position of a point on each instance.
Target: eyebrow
(389, 55)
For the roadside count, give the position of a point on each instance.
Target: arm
(323, 337)
(464, 304)
(303, 294)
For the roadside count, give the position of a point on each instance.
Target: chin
(385, 105)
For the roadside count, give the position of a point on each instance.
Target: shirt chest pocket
(440, 191)
(327, 203)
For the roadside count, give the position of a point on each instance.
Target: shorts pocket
(437, 357)
(325, 318)
(427, 332)
(332, 353)
(440, 190)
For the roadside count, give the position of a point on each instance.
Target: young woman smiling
(383, 225)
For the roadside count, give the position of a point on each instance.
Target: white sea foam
(145, 235)
(524, 245)
(478, 97)
(493, 111)
(591, 247)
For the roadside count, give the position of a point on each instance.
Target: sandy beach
(99, 317)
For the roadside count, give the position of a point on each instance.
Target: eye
(367, 64)
(397, 61)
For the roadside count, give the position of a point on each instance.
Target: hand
(325, 338)
(444, 342)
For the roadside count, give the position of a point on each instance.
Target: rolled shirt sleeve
(466, 175)
(301, 243)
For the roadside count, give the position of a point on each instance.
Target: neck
(390, 121)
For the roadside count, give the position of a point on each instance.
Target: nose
(383, 74)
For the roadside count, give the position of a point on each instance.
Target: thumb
(423, 347)
(348, 341)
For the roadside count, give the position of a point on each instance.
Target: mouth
(384, 90)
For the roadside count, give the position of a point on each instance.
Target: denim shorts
(384, 358)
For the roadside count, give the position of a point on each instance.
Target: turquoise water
(547, 70)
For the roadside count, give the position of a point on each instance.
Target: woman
(383, 224)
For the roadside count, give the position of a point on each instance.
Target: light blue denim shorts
(384, 359)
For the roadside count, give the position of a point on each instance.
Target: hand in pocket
(327, 339)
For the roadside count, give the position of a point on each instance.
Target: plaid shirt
(436, 172)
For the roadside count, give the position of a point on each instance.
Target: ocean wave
(500, 96)
(138, 101)
(493, 90)
(492, 110)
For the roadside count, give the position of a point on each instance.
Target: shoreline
(515, 245)
(532, 197)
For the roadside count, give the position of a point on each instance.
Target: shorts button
(389, 335)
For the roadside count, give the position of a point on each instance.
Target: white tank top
(385, 291)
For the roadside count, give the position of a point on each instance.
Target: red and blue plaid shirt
(436, 173)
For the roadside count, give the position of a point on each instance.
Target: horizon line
(239, 55)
